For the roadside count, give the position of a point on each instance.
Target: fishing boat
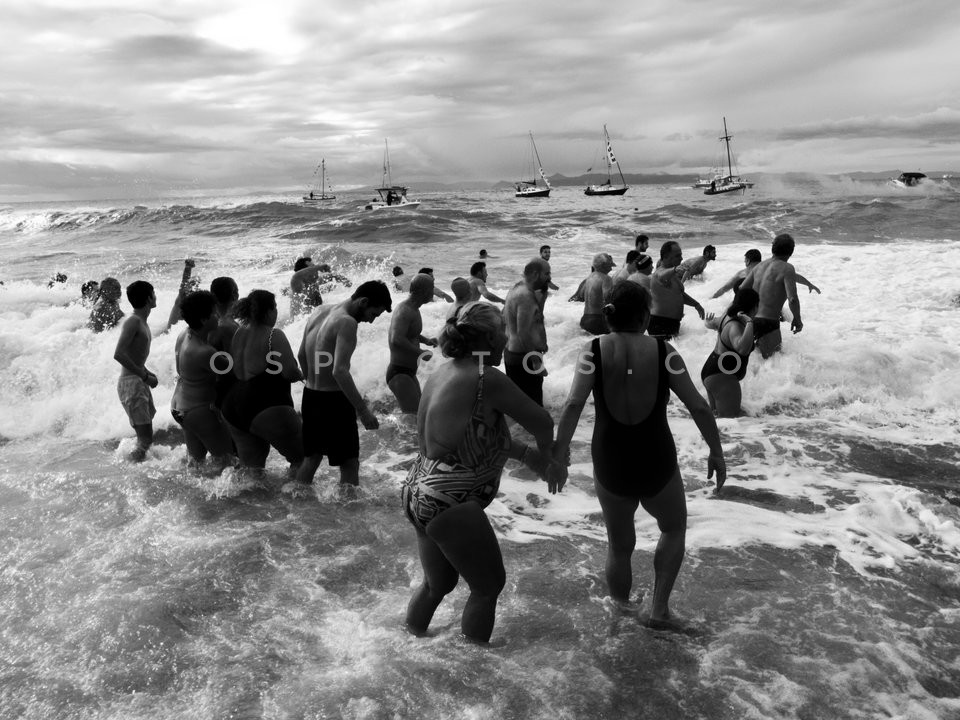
(729, 182)
(704, 182)
(608, 188)
(531, 188)
(319, 188)
(392, 197)
(909, 179)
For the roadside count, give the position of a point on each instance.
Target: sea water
(821, 583)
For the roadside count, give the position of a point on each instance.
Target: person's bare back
(320, 343)
(775, 281)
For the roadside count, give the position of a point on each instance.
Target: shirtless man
(641, 243)
(478, 283)
(644, 272)
(629, 267)
(331, 400)
(667, 296)
(545, 252)
(526, 333)
(133, 348)
(406, 327)
(437, 292)
(461, 295)
(695, 266)
(595, 289)
(751, 259)
(776, 281)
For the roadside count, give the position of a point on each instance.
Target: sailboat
(729, 182)
(531, 188)
(392, 197)
(608, 188)
(319, 193)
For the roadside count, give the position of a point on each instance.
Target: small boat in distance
(729, 182)
(608, 188)
(909, 179)
(319, 193)
(392, 197)
(531, 188)
(704, 182)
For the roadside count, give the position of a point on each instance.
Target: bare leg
(144, 441)
(439, 579)
(724, 394)
(464, 535)
(308, 469)
(280, 427)
(350, 472)
(669, 507)
(407, 391)
(618, 516)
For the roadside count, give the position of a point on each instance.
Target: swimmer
(695, 266)
(526, 333)
(106, 312)
(404, 339)
(478, 283)
(634, 454)
(133, 348)
(597, 286)
(331, 400)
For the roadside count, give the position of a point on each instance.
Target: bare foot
(138, 455)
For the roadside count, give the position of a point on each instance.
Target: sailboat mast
(386, 165)
(726, 138)
(623, 180)
(537, 156)
(323, 177)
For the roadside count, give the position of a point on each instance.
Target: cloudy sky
(113, 98)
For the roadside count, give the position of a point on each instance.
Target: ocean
(821, 583)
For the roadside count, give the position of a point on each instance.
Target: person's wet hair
(223, 289)
(138, 293)
(709, 249)
(477, 268)
(783, 245)
(627, 305)
(743, 302)
(376, 292)
(397, 271)
(425, 271)
(632, 256)
(301, 263)
(753, 255)
(255, 307)
(470, 330)
(197, 307)
(461, 288)
(89, 288)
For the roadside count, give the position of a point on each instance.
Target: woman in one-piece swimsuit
(634, 457)
(464, 443)
(726, 366)
(258, 407)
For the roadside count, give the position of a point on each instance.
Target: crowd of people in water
(235, 369)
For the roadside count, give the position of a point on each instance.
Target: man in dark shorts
(776, 282)
(667, 296)
(331, 400)
(597, 285)
(526, 334)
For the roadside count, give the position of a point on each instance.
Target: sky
(116, 98)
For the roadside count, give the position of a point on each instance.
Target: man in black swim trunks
(776, 281)
(667, 296)
(331, 400)
(526, 333)
(406, 327)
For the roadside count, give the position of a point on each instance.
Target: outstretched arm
(687, 300)
(801, 280)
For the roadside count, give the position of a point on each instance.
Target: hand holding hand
(556, 477)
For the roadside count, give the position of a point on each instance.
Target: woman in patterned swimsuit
(464, 443)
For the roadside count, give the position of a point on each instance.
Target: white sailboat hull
(403, 205)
